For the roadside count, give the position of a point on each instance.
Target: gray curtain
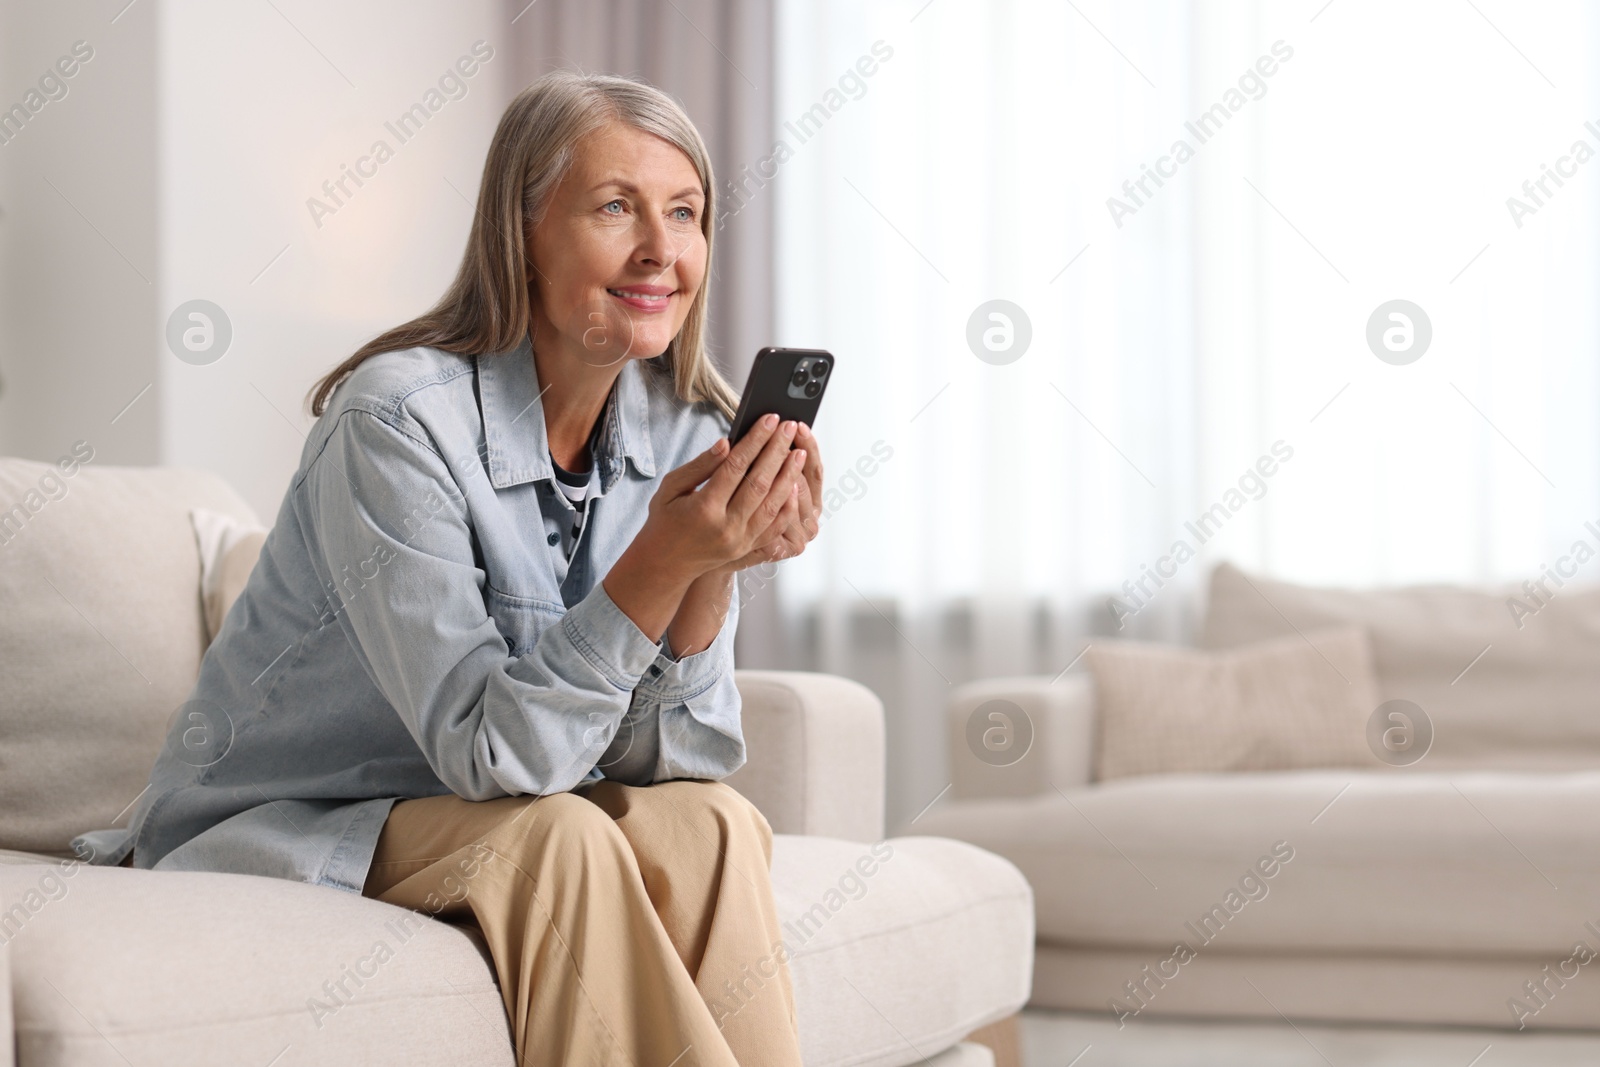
(716, 58)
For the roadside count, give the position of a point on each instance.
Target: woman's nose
(656, 247)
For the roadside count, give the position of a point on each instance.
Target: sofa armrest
(815, 753)
(1060, 715)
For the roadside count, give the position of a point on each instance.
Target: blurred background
(1117, 292)
(1158, 348)
(1060, 341)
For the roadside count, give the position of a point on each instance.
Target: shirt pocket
(520, 619)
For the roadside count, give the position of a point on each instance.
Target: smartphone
(788, 381)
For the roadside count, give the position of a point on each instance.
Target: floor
(1062, 1039)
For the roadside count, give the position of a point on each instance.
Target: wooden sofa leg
(1003, 1039)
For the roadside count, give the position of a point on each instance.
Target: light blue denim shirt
(415, 627)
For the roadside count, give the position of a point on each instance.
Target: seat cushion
(1382, 861)
(893, 960)
(113, 965)
(901, 948)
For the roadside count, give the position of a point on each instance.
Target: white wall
(78, 233)
(255, 118)
(193, 140)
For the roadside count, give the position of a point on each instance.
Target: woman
(425, 695)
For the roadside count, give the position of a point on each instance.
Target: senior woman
(484, 666)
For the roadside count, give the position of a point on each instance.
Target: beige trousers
(629, 925)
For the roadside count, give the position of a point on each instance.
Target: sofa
(1456, 884)
(894, 961)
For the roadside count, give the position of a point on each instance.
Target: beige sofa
(101, 636)
(1462, 888)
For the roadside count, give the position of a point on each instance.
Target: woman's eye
(687, 216)
(614, 204)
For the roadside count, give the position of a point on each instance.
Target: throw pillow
(228, 552)
(1300, 701)
(1508, 676)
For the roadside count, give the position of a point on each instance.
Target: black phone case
(768, 389)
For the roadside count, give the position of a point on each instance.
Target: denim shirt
(425, 620)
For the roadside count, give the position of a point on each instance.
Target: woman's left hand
(800, 519)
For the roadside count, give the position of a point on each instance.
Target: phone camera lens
(799, 376)
(813, 388)
(819, 368)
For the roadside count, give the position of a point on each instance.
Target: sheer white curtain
(1201, 351)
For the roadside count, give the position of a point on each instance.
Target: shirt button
(552, 539)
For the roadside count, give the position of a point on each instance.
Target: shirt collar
(514, 428)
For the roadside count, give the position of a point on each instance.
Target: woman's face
(619, 254)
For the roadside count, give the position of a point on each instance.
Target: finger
(786, 536)
(808, 441)
(780, 541)
(793, 540)
(789, 545)
(802, 525)
(786, 524)
(684, 478)
(813, 480)
(763, 478)
(738, 460)
(780, 495)
(761, 553)
(808, 522)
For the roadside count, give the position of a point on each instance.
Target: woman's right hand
(750, 494)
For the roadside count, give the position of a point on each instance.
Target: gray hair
(487, 307)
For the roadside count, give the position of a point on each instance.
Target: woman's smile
(648, 298)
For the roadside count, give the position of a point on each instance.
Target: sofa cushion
(895, 954)
(901, 947)
(1298, 701)
(1489, 862)
(116, 965)
(109, 645)
(1502, 688)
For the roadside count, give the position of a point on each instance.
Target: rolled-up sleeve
(684, 721)
(382, 501)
